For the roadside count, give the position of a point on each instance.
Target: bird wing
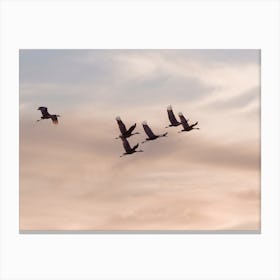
(184, 122)
(54, 119)
(121, 126)
(148, 131)
(129, 131)
(126, 145)
(171, 116)
(44, 111)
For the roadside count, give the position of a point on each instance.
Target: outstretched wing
(121, 125)
(44, 111)
(171, 116)
(148, 130)
(131, 129)
(54, 119)
(126, 145)
(184, 122)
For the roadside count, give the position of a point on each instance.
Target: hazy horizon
(71, 175)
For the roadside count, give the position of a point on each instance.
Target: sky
(71, 174)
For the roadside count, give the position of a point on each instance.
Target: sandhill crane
(47, 115)
(128, 149)
(172, 118)
(149, 132)
(184, 122)
(125, 132)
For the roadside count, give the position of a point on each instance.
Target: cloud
(96, 135)
(108, 78)
(228, 56)
(237, 102)
(71, 175)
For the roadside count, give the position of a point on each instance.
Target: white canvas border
(155, 24)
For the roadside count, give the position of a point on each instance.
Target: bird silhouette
(125, 132)
(150, 134)
(172, 118)
(185, 124)
(47, 115)
(128, 149)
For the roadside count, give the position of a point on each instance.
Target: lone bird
(172, 118)
(128, 149)
(125, 132)
(185, 124)
(47, 115)
(150, 134)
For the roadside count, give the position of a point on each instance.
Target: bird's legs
(193, 126)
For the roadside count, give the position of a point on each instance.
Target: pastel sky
(71, 175)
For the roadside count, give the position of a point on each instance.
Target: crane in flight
(47, 115)
(125, 132)
(172, 118)
(150, 134)
(127, 147)
(185, 124)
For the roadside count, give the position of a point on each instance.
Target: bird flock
(126, 133)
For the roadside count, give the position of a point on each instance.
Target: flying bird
(128, 149)
(185, 124)
(125, 132)
(172, 118)
(150, 134)
(47, 115)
